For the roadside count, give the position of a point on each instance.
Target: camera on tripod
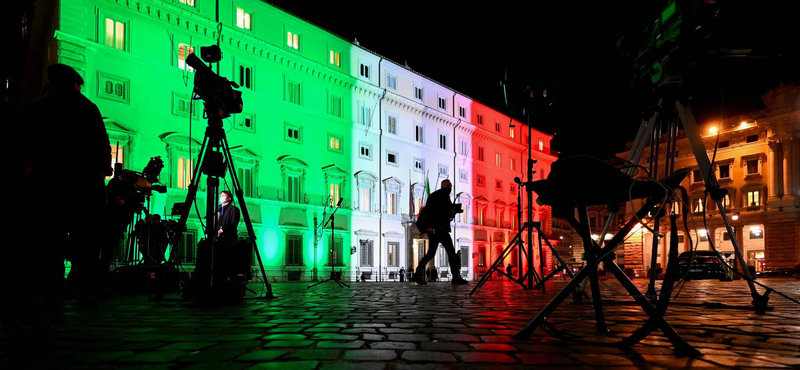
(215, 90)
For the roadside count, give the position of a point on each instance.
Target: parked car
(706, 265)
(781, 271)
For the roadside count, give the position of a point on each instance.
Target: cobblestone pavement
(401, 326)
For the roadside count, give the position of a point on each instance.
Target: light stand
(333, 277)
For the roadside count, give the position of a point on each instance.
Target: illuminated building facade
(323, 118)
(758, 163)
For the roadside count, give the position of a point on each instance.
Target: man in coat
(434, 219)
(227, 218)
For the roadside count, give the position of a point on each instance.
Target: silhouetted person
(228, 218)
(66, 155)
(402, 274)
(434, 219)
(510, 271)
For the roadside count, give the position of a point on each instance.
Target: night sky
(571, 47)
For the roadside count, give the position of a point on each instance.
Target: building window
(335, 106)
(499, 214)
(512, 188)
(182, 106)
(365, 150)
(366, 116)
(443, 171)
(418, 92)
(293, 92)
(697, 205)
(293, 40)
(442, 103)
(338, 251)
(243, 19)
(335, 58)
(246, 179)
(392, 124)
(462, 112)
(697, 177)
(420, 138)
(365, 182)
(245, 74)
(513, 164)
(364, 70)
(185, 172)
(464, 256)
(366, 252)
(752, 138)
(725, 171)
(541, 146)
(334, 193)
(117, 156)
(293, 133)
(443, 262)
(498, 184)
(463, 176)
(183, 52)
(756, 232)
(115, 34)
(293, 189)
(753, 167)
(392, 200)
(294, 250)
(187, 2)
(481, 180)
(511, 132)
(419, 164)
(480, 153)
(497, 126)
(498, 160)
(464, 148)
(113, 87)
(442, 141)
(479, 119)
(392, 158)
(334, 143)
(394, 254)
(722, 144)
(753, 198)
(245, 122)
(482, 256)
(726, 202)
(391, 82)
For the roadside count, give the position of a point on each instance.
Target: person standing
(66, 155)
(402, 274)
(227, 218)
(435, 219)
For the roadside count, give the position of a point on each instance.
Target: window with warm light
(753, 198)
(333, 193)
(541, 146)
(183, 52)
(511, 132)
(185, 172)
(498, 160)
(513, 165)
(293, 40)
(334, 58)
(117, 156)
(334, 143)
(697, 205)
(115, 34)
(243, 19)
(187, 2)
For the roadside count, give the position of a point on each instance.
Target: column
(788, 164)
(774, 170)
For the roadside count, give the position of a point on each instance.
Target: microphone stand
(332, 260)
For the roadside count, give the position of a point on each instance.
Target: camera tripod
(215, 158)
(332, 260)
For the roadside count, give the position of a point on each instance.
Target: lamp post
(734, 223)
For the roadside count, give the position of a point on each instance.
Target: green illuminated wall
(147, 123)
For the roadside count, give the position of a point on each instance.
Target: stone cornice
(192, 22)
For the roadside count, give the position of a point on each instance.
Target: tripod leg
(592, 266)
(497, 263)
(700, 154)
(537, 321)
